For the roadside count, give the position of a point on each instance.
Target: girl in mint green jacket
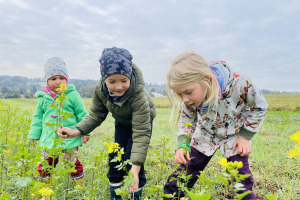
(55, 74)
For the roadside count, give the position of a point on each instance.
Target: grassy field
(274, 173)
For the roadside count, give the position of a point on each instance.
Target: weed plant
(275, 174)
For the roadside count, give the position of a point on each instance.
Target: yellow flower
(45, 192)
(159, 166)
(296, 137)
(223, 162)
(0, 106)
(122, 151)
(7, 152)
(239, 165)
(296, 151)
(113, 147)
(62, 87)
(188, 124)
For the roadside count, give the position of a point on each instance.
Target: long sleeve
(188, 116)
(36, 124)
(141, 128)
(96, 116)
(257, 108)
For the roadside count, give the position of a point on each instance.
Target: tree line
(23, 87)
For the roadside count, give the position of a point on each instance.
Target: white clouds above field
(259, 38)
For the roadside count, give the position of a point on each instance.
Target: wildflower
(223, 162)
(188, 124)
(296, 137)
(7, 152)
(54, 116)
(45, 192)
(113, 147)
(0, 106)
(120, 153)
(296, 151)
(62, 87)
(159, 166)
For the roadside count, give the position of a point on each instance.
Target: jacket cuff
(137, 164)
(184, 145)
(246, 134)
(81, 132)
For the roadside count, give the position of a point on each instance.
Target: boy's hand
(135, 170)
(33, 141)
(181, 156)
(85, 139)
(243, 145)
(66, 132)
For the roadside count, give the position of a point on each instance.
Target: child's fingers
(188, 155)
(234, 145)
(180, 157)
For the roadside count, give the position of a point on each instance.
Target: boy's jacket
(136, 109)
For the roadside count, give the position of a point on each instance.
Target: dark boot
(113, 186)
(137, 195)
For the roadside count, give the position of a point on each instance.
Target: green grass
(274, 173)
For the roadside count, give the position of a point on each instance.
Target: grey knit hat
(115, 61)
(55, 66)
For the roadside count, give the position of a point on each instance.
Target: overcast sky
(258, 38)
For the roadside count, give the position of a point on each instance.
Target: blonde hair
(190, 67)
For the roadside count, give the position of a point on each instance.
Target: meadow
(274, 172)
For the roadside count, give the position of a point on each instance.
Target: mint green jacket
(44, 113)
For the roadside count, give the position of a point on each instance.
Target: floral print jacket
(240, 112)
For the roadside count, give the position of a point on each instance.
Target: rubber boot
(112, 187)
(137, 195)
(79, 182)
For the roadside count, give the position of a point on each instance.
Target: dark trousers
(123, 136)
(198, 163)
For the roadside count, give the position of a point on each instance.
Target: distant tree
(13, 95)
(5, 90)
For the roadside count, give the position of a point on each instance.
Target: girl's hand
(66, 132)
(181, 156)
(135, 170)
(244, 146)
(85, 139)
(33, 141)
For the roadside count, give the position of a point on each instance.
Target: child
(121, 92)
(224, 110)
(55, 74)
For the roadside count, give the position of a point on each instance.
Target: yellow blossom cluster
(62, 87)
(296, 151)
(113, 147)
(45, 192)
(230, 165)
(188, 124)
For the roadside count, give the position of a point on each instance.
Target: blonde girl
(220, 110)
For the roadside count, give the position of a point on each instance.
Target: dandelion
(45, 192)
